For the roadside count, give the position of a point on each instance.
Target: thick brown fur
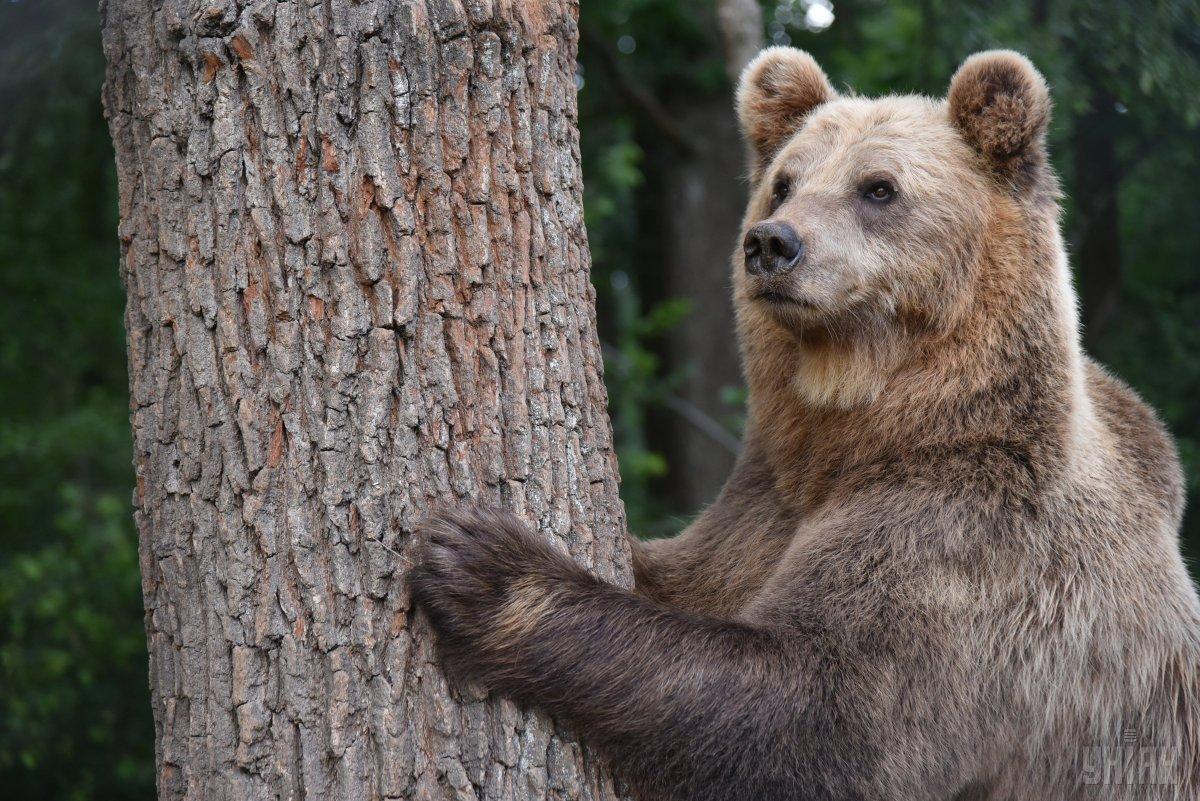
(946, 565)
(775, 95)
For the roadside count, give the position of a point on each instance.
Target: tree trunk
(741, 25)
(358, 286)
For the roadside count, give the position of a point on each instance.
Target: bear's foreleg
(687, 706)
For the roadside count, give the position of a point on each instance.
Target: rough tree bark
(358, 286)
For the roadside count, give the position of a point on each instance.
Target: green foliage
(666, 47)
(75, 704)
(672, 46)
(637, 382)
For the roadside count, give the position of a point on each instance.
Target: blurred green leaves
(637, 383)
(73, 657)
(74, 706)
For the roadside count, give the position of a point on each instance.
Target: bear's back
(1141, 463)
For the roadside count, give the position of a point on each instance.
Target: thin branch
(690, 412)
(704, 423)
(636, 95)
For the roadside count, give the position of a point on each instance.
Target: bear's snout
(772, 248)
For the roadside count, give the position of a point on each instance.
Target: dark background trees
(662, 174)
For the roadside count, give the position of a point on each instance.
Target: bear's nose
(772, 248)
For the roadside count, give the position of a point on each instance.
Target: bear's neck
(1008, 376)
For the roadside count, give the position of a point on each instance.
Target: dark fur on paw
(478, 567)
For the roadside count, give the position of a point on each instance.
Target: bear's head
(870, 220)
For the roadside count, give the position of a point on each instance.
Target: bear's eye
(779, 193)
(879, 192)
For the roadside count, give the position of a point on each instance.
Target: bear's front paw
(480, 570)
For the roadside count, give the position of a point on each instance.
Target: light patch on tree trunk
(358, 287)
(741, 26)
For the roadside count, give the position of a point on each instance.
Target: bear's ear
(1000, 103)
(776, 92)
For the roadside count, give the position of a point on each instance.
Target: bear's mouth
(778, 298)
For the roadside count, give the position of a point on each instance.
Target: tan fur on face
(873, 280)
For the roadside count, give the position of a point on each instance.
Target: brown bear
(946, 565)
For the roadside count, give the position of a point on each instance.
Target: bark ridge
(358, 287)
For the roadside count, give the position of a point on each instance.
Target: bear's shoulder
(1138, 446)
